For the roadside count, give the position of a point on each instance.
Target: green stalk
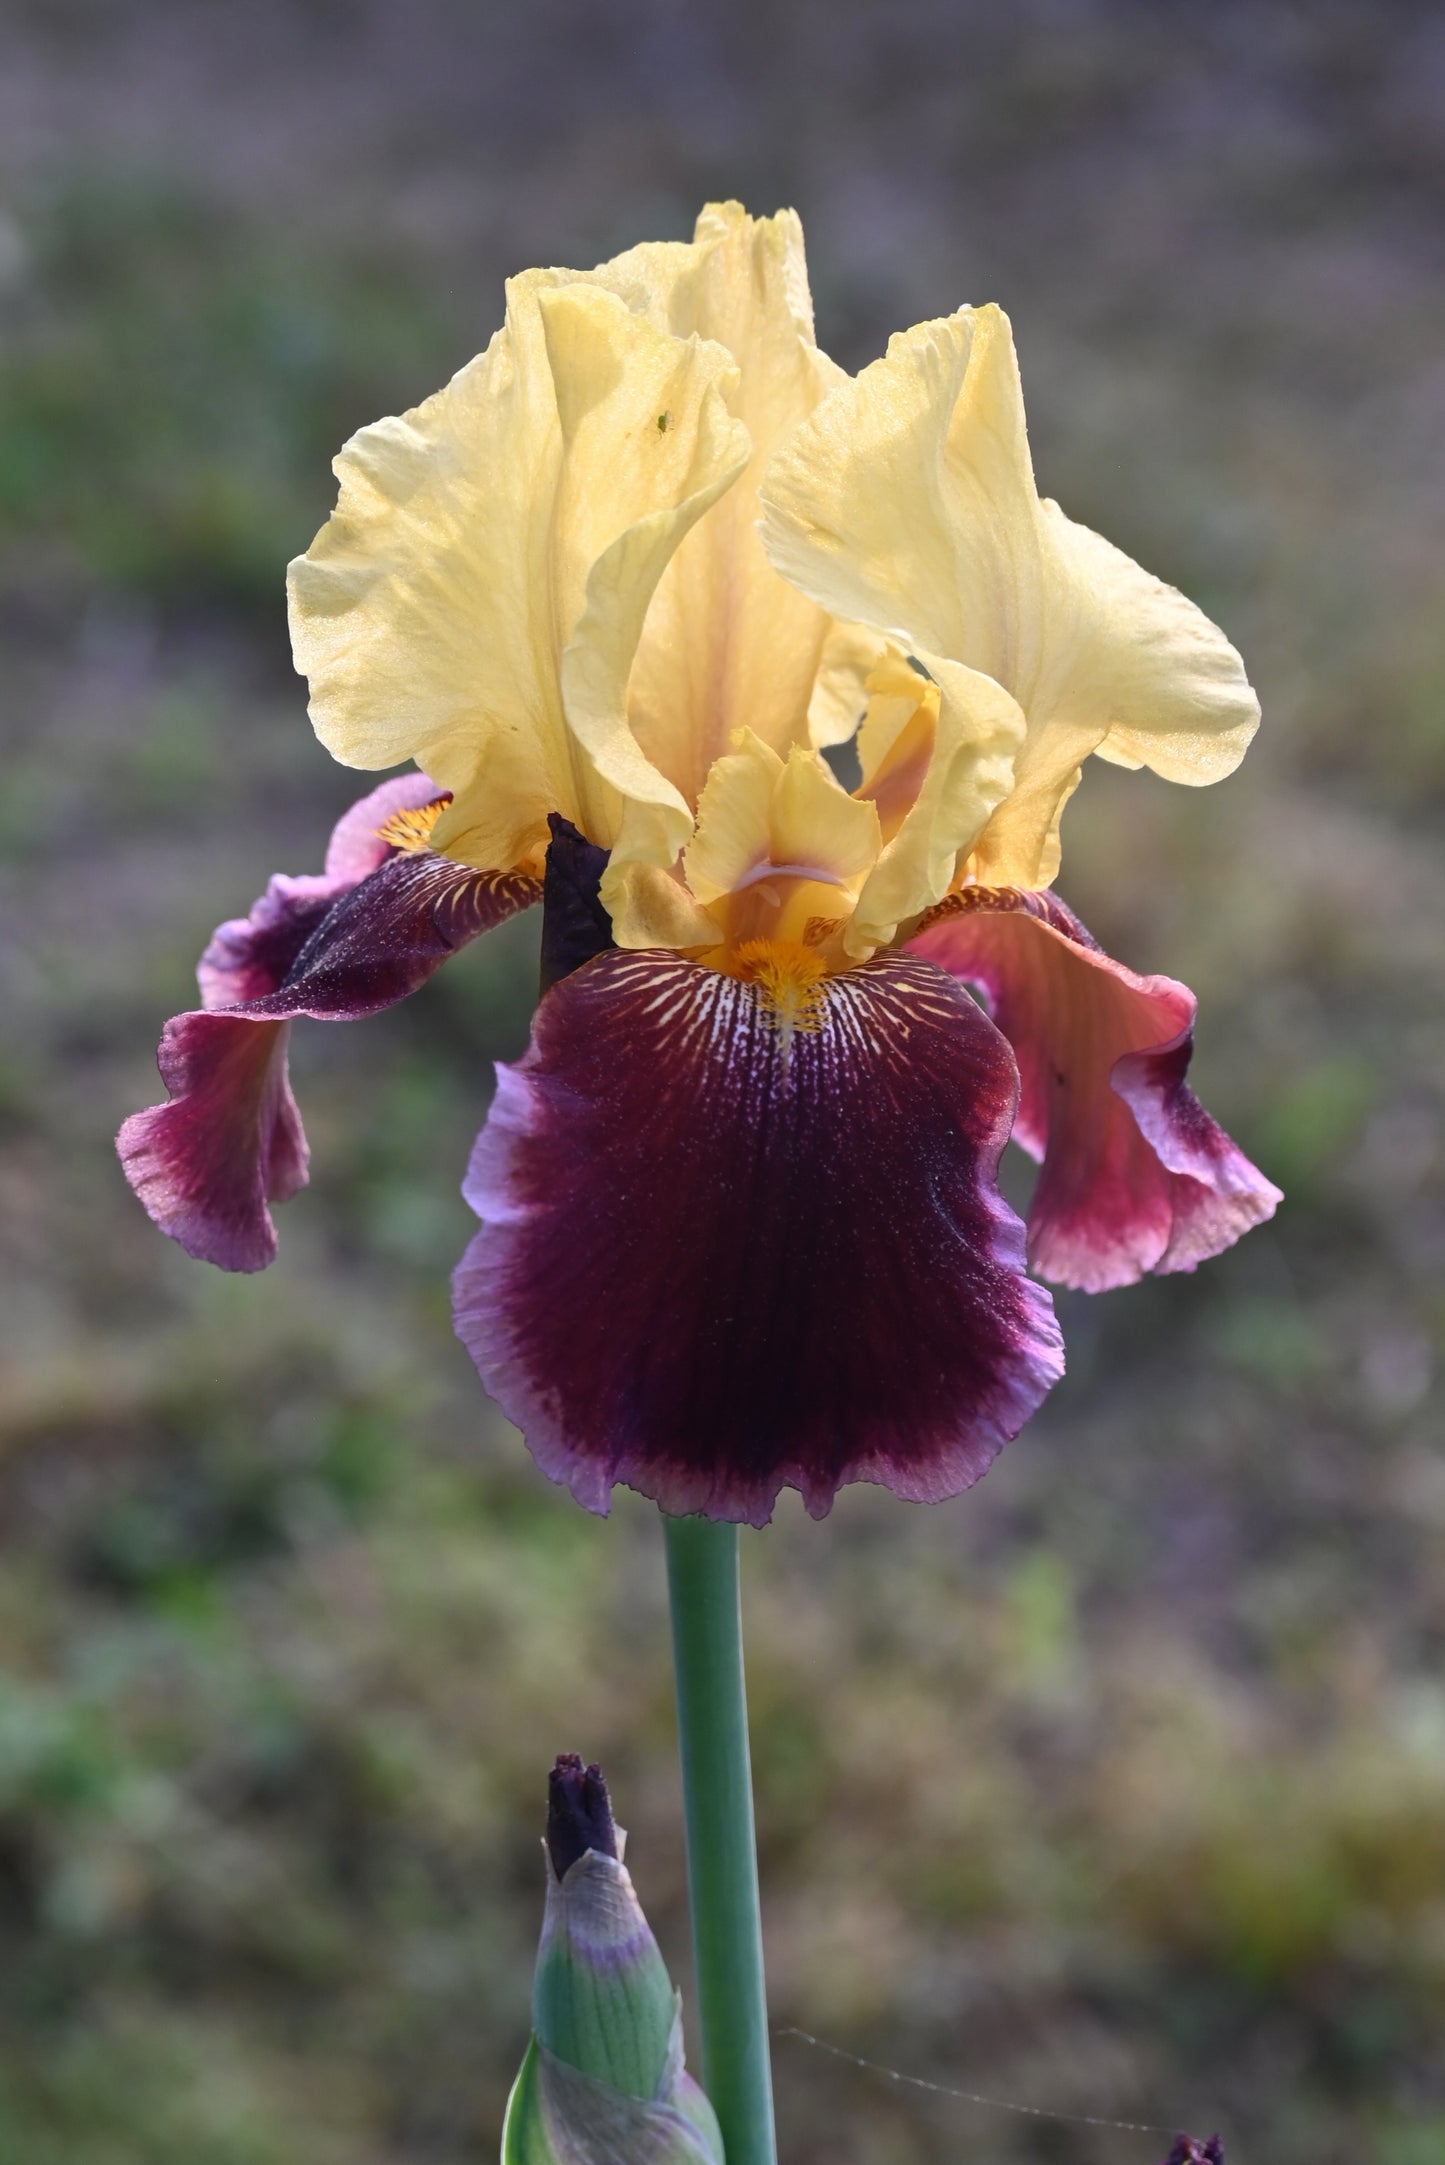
(722, 1858)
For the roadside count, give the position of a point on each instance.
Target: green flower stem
(722, 1858)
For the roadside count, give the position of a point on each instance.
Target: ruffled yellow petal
(840, 690)
(505, 535)
(760, 813)
(1178, 698)
(652, 908)
(616, 390)
(897, 736)
(734, 819)
(907, 502)
(815, 823)
(727, 643)
(938, 752)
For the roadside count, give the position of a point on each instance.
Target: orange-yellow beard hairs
(411, 828)
(792, 978)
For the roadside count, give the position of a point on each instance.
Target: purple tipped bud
(579, 1813)
(1188, 2152)
(604, 2080)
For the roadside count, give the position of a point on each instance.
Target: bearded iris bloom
(614, 593)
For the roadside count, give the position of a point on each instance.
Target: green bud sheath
(558, 2116)
(602, 1999)
(603, 2082)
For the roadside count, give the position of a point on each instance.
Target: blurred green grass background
(1117, 1787)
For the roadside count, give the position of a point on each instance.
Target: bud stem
(722, 1862)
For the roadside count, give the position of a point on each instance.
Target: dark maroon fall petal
(713, 1264)
(386, 937)
(360, 937)
(1136, 1176)
(230, 1141)
(250, 956)
(1188, 2152)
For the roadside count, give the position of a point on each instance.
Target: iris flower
(614, 593)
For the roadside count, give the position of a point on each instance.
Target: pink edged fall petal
(717, 1260)
(230, 1140)
(250, 956)
(339, 946)
(1136, 1176)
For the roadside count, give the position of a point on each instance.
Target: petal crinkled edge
(1136, 1176)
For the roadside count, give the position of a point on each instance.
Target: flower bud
(603, 2081)
(1188, 2152)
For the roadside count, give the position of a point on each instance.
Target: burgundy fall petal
(1136, 1176)
(360, 937)
(250, 956)
(386, 937)
(230, 1140)
(712, 1265)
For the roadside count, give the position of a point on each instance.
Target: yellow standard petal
(907, 502)
(761, 814)
(734, 822)
(937, 747)
(781, 849)
(840, 690)
(728, 644)
(507, 533)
